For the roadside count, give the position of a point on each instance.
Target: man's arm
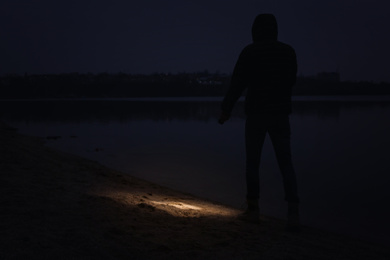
(237, 86)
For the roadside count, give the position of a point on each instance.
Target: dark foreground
(59, 206)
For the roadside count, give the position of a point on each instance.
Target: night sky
(148, 36)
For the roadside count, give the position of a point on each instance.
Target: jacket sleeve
(237, 85)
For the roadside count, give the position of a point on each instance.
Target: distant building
(209, 81)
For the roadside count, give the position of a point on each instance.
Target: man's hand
(223, 117)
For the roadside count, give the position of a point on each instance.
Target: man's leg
(255, 131)
(280, 133)
(254, 139)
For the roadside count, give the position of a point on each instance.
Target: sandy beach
(59, 206)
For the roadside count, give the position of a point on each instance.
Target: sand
(59, 206)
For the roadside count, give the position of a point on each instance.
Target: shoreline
(295, 98)
(60, 205)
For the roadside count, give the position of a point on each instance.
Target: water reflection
(106, 111)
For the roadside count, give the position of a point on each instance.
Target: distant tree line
(313, 86)
(122, 85)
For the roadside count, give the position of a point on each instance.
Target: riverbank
(57, 205)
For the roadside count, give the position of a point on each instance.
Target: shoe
(293, 223)
(252, 213)
(250, 216)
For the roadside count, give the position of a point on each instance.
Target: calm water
(340, 152)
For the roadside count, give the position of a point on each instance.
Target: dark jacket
(267, 68)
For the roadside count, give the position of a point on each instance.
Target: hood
(265, 27)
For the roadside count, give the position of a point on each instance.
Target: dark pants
(278, 128)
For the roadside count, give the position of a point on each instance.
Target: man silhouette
(267, 69)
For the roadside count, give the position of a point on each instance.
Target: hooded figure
(265, 27)
(267, 70)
